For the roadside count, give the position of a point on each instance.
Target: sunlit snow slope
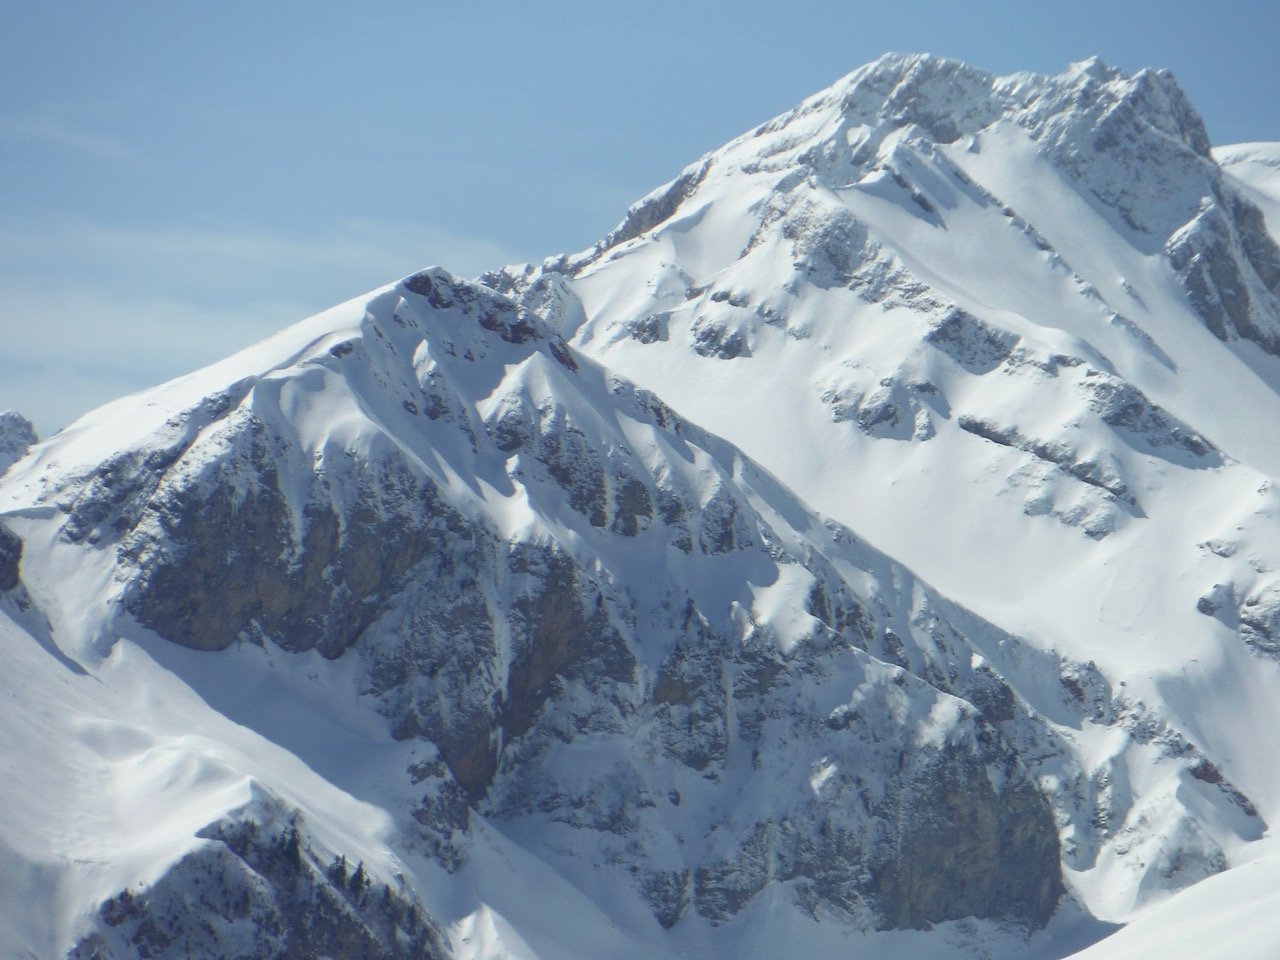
(1021, 332)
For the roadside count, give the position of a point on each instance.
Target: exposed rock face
(1259, 617)
(1245, 593)
(1230, 268)
(10, 558)
(17, 435)
(877, 788)
(320, 590)
(912, 846)
(254, 892)
(950, 861)
(656, 207)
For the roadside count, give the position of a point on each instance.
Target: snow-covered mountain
(870, 544)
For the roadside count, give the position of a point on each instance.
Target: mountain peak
(949, 98)
(17, 435)
(1132, 141)
(896, 67)
(921, 89)
(1093, 66)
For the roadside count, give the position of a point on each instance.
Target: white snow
(982, 522)
(1257, 167)
(1232, 916)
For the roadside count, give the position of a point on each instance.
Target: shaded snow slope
(1232, 916)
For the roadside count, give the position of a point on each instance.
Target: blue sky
(180, 179)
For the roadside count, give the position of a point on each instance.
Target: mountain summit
(17, 435)
(869, 544)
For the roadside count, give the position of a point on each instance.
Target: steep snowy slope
(1257, 167)
(1020, 332)
(1233, 916)
(439, 577)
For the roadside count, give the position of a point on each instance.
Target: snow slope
(868, 546)
(1020, 333)
(554, 623)
(1257, 167)
(1232, 915)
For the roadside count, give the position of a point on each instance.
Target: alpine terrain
(869, 548)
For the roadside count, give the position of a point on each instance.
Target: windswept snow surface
(992, 360)
(1232, 916)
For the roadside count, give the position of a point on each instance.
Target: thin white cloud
(64, 351)
(52, 131)
(345, 259)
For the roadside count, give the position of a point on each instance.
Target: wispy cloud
(224, 264)
(89, 312)
(56, 132)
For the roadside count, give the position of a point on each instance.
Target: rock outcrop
(17, 436)
(253, 890)
(10, 558)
